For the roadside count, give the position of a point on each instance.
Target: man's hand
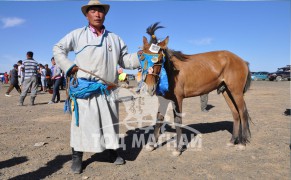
(73, 70)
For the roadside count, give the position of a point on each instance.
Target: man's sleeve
(61, 50)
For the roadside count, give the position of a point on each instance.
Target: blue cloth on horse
(83, 89)
(146, 62)
(163, 85)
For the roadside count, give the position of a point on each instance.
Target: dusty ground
(266, 157)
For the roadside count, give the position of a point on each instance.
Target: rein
(155, 74)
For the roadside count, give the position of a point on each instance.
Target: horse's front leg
(152, 144)
(163, 105)
(178, 122)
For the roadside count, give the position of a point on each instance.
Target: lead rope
(106, 82)
(75, 83)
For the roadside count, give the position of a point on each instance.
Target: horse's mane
(178, 54)
(151, 31)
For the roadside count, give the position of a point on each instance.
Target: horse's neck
(176, 63)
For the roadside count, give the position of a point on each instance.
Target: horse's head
(152, 60)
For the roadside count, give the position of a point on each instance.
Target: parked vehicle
(282, 73)
(261, 75)
(1, 77)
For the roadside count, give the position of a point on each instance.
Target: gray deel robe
(98, 116)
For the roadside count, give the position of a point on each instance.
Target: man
(30, 79)
(42, 72)
(56, 78)
(139, 80)
(20, 72)
(99, 51)
(6, 77)
(48, 76)
(13, 81)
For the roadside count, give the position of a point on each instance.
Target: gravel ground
(266, 157)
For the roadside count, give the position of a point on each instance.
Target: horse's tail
(249, 79)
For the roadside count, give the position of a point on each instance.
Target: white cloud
(11, 22)
(202, 41)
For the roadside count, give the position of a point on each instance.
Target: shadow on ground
(50, 168)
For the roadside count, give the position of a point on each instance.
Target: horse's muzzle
(151, 90)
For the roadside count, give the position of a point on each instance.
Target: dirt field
(266, 157)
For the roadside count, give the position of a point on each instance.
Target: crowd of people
(28, 75)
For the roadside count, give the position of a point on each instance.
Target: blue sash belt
(82, 89)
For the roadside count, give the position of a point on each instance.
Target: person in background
(56, 78)
(203, 102)
(20, 73)
(62, 81)
(13, 81)
(6, 78)
(39, 77)
(122, 77)
(48, 76)
(139, 80)
(100, 52)
(42, 72)
(30, 79)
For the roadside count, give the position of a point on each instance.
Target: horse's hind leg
(244, 115)
(236, 120)
(244, 131)
(241, 132)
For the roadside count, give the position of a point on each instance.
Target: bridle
(149, 61)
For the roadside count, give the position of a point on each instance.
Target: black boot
(32, 98)
(21, 100)
(115, 157)
(76, 161)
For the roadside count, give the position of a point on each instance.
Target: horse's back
(204, 72)
(218, 61)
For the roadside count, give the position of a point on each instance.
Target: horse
(195, 75)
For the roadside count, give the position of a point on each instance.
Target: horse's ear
(145, 41)
(164, 43)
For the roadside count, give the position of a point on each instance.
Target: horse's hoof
(229, 144)
(241, 147)
(149, 148)
(176, 153)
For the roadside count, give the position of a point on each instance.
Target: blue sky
(257, 31)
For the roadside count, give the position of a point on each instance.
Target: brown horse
(195, 75)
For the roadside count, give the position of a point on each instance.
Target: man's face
(53, 62)
(96, 16)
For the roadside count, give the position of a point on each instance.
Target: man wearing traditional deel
(94, 126)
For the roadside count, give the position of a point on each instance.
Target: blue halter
(149, 61)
